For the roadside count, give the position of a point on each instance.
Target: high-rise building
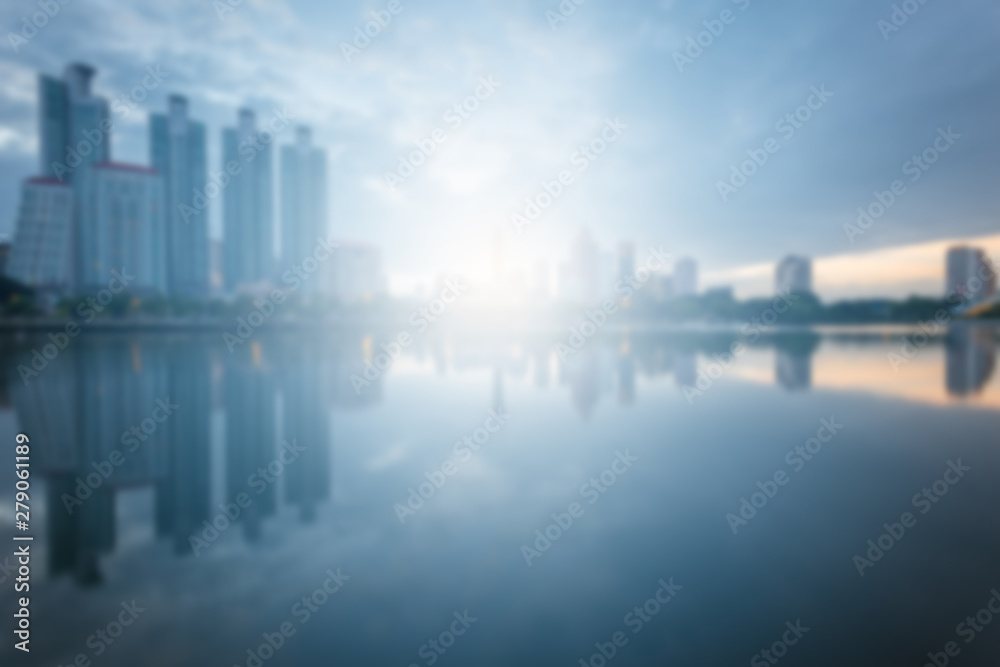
(685, 281)
(969, 274)
(75, 133)
(121, 226)
(247, 203)
(357, 273)
(40, 257)
(793, 275)
(303, 205)
(177, 145)
(75, 125)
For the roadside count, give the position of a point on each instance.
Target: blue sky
(656, 184)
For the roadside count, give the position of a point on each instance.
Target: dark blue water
(640, 472)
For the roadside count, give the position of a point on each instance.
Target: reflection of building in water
(183, 493)
(970, 357)
(251, 436)
(305, 420)
(105, 391)
(346, 376)
(793, 370)
(626, 373)
(589, 374)
(686, 369)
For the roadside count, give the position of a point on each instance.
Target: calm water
(338, 501)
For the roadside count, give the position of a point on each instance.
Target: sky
(684, 117)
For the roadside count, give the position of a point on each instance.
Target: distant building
(303, 205)
(121, 227)
(969, 274)
(685, 277)
(247, 203)
(625, 260)
(40, 257)
(793, 275)
(357, 273)
(580, 277)
(178, 151)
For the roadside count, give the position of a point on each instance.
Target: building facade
(40, 255)
(303, 205)
(247, 203)
(793, 275)
(969, 274)
(177, 145)
(121, 227)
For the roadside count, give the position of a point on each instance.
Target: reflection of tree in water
(969, 356)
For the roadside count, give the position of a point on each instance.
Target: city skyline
(632, 187)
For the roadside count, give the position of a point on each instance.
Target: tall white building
(303, 205)
(685, 282)
(793, 275)
(122, 226)
(966, 268)
(40, 255)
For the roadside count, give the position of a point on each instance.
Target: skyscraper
(178, 152)
(75, 129)
(303, 205)
(121, 226)
(40, 256)
(247, 202)
(793, 275)
(969, 274)
(75, 125)
(685, 281)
